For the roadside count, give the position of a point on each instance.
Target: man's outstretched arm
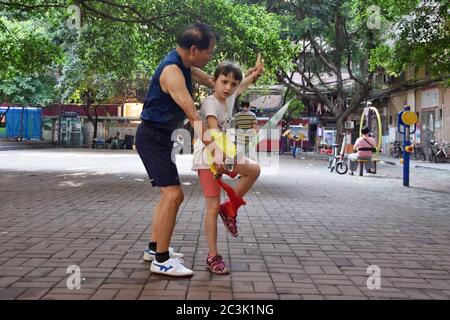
(172, 82)
(201, 77)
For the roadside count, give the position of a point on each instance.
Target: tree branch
(122, 6)
(86, 4)
(350, 72)
(310, 76)
(6, 28)
(310, 87)
(117, 19)
(321, 54)
(36, 6)
(349, 57)
(282, 76)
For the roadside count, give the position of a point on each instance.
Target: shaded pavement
(305, 233)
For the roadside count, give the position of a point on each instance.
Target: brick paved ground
(303, 233)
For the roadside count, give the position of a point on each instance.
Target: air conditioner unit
(349, 125)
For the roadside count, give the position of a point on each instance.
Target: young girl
(228, 84)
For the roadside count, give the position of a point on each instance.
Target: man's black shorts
(154, 146)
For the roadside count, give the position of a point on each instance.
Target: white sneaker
(149, 255)
(172, 267)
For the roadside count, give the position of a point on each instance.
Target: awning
(270, 102)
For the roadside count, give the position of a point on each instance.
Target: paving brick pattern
(304, 234)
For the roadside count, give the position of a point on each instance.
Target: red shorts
(210, 186)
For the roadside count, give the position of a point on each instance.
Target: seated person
(364, 146)
(115, 141)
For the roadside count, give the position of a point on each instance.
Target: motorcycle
(434, 147)
(396, 150)
(442, 155)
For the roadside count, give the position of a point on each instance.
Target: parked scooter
(434, 147)
(442, 155)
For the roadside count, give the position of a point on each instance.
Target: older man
(168, 102)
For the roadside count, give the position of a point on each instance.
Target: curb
(430, 168)
(416, 166)
(389, 162)
(25, 147)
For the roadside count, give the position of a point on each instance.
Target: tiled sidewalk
(304, 234)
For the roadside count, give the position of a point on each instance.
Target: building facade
(428, 97)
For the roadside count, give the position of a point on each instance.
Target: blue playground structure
(23, 123)
(405, 120)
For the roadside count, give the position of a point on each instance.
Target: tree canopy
(419, 35)
(28, 58)
(120, 42)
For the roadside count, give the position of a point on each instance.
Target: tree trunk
(342, 117)
(95, 123)
(88, 104)
(340, 130)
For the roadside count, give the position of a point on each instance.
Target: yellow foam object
(299, 138)
(409, 149)
(224, 144)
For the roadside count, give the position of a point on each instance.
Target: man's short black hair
(245, 104)
(365, 130)
(199, 35)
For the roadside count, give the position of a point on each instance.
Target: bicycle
(418, 153)
(337, 162)
(396, 150)
(442, 155)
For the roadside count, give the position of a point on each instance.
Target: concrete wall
(440, 112)
(446, 114)
(395, 105)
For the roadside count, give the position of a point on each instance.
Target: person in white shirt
(228, 83)
(319, 136)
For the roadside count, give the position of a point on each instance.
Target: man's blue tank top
(160, 110)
